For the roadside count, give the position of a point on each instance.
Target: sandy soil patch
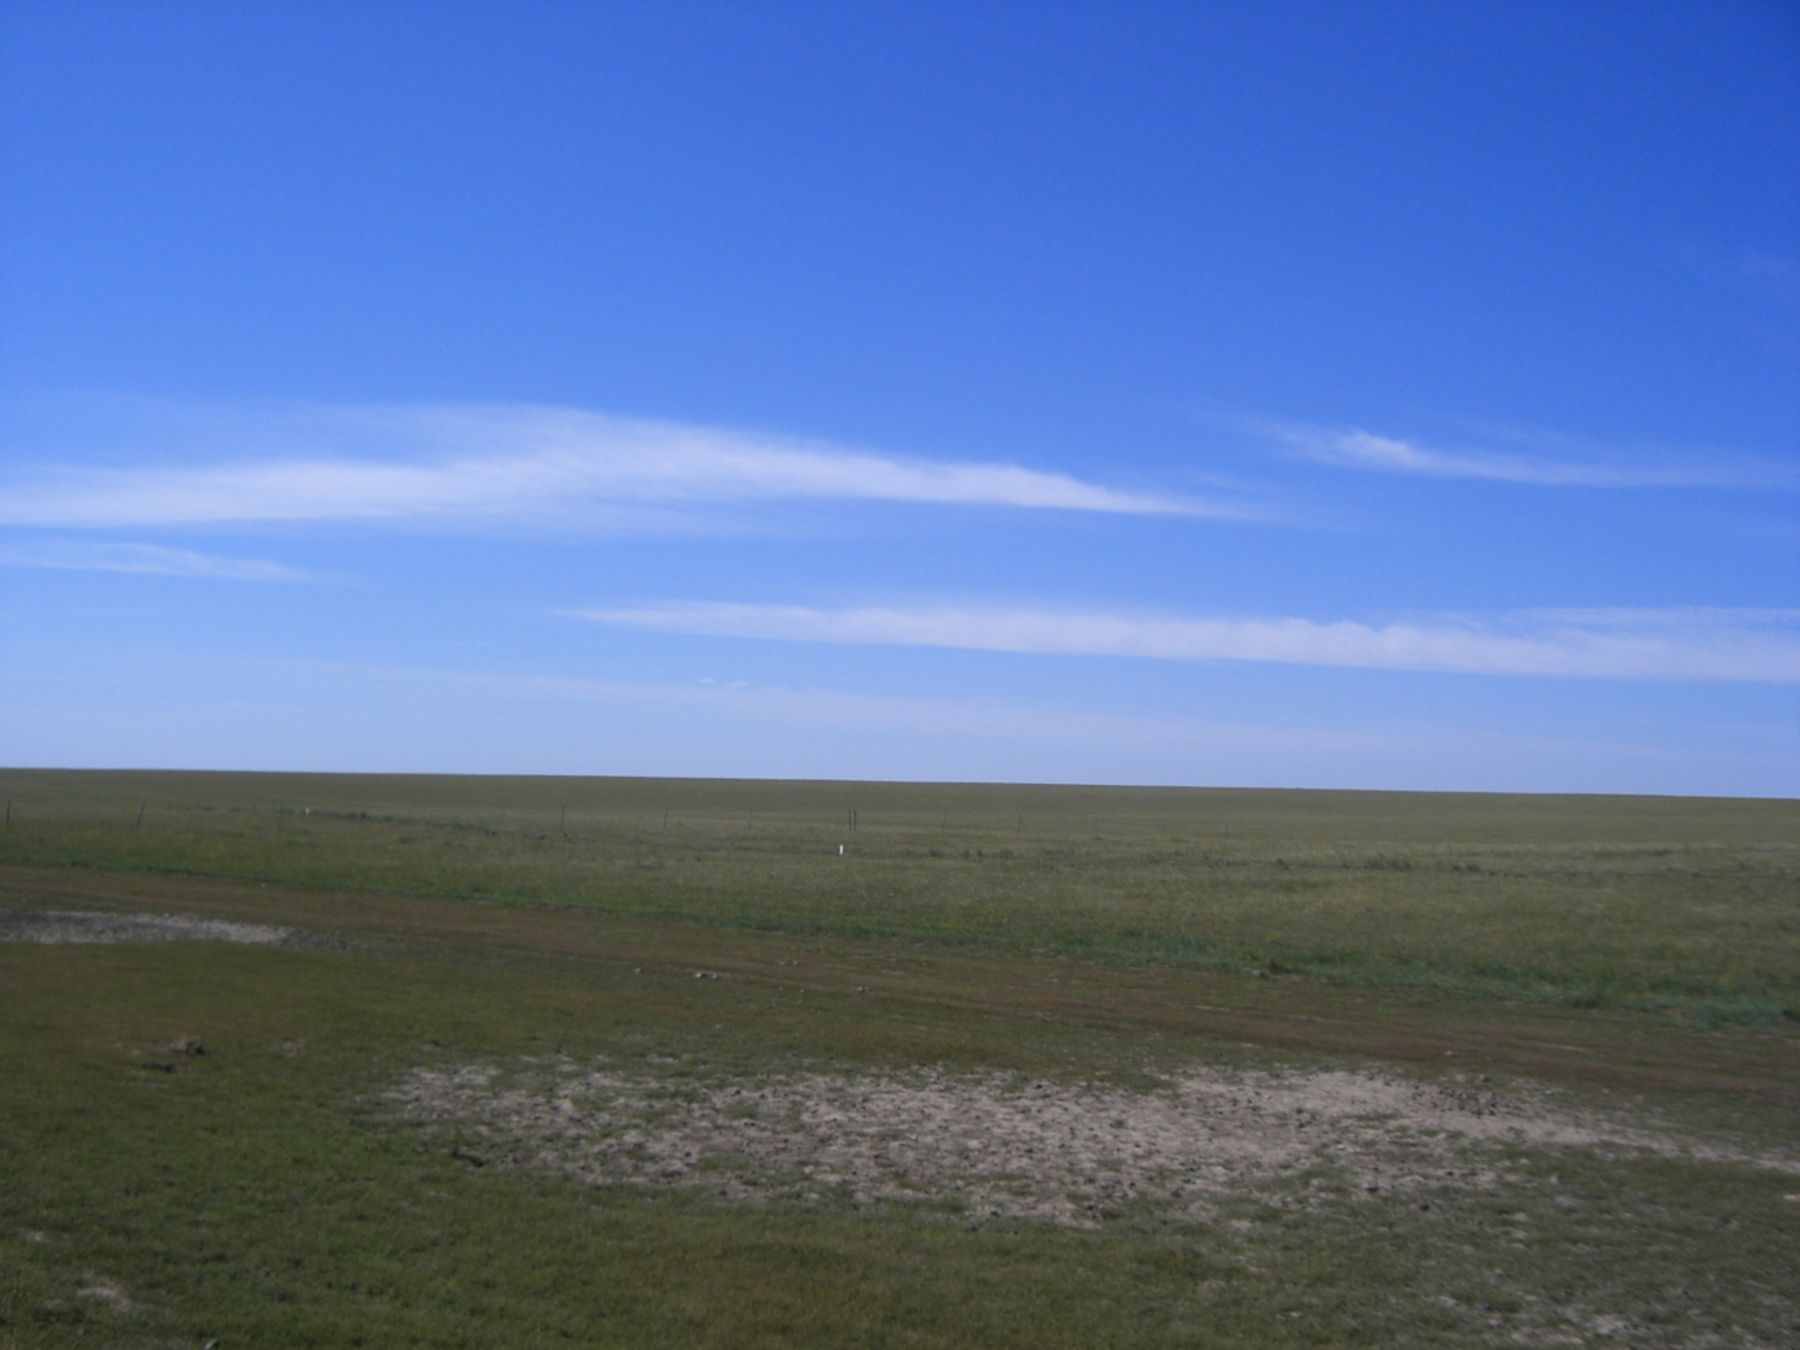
(993, 1146)
(58, 926)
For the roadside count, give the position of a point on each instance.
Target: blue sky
(1393, 395)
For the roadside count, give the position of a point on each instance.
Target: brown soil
(58, 926)
(992, 1146)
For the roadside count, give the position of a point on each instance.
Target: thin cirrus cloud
(81, 555)
(499, 463)
(1760, 646)
(1546, 462)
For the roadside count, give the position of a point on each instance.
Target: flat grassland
(302, 1059)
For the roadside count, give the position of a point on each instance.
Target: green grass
(1645, 903)
(268, 1193)
(261, 1195)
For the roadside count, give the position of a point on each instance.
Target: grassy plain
(1638, 959)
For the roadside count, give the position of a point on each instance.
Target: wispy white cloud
(1736, 645)
(519, 463)
(1546, 461)
(81, 555)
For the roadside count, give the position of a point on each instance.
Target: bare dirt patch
(993, 1146)
(105, 1291)
(59, 926)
